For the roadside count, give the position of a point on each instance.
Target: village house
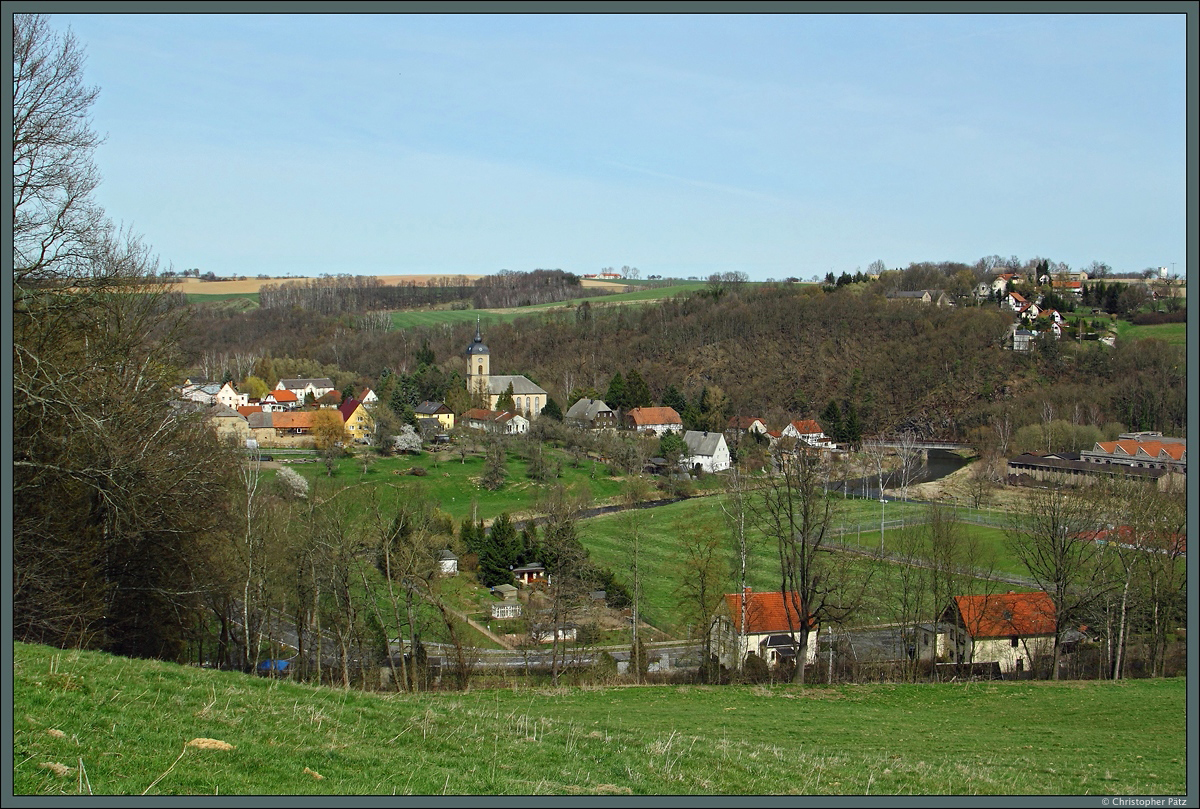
(504, 422)
(303, 387)
(706, 451)
(359, 423)
(1011, 629)
(590, 414)
(528, 398)
(530, 574)
(738, 426)
(768, 616)
(368, 397)
(279, 400)
(205, 394)
(935, 296)
(229, 396)
(436, 412)
(447, 562)
(810, 432)
(230, 425)
(657, 420)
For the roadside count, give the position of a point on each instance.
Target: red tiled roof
(807, 427)
(1067, 284)
(1016, 296)
(1001, 616)
(741, 423)
(246, 410)
(283, 395)
(653, 415)
(765, 612)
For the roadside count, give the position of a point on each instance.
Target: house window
(1013, 639)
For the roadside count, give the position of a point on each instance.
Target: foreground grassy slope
(117, 726)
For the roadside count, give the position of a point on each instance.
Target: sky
(775, 145)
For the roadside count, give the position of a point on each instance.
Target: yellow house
(359, 424)
(438, 412)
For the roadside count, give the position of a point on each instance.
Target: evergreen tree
(552, 410)
(637, 392)
(504, 541)
(831, 418)
(425, 354)
(616, 395)
(851, 426)
(674, 399)
(505, 402)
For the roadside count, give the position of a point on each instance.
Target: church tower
(478, 363)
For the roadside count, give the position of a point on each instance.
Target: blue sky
(777, 145)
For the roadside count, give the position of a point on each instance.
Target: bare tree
(564, 560)
(634, 520)
(700, 562)
(737, 505)
(1049, 535)
(797, 513)
(911, 460)
(56, 221)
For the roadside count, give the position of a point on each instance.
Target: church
(528, 398)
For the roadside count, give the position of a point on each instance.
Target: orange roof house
(1013, 630)
(771, 629)
(654, 420)
(1002, 616)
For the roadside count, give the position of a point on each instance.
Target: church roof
(522, 386)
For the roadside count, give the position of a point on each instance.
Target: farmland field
(95, 724)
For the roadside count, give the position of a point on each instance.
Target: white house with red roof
(504, 422)
(278, 400)
(657, 420)
(1012, 629)
(767, 624)
(810, 432)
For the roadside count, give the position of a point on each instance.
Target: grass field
(1174, 333)
(88, 723)
(607, 539)
(432, 317)
(454, 483)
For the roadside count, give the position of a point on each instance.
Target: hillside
(96, 724)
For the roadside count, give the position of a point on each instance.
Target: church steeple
(478, 361)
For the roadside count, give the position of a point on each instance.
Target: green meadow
(414, 318)
(1173, 333)
(89, 723)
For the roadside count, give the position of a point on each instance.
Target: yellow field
(194, 286)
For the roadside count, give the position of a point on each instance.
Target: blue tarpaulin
(273, 665)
